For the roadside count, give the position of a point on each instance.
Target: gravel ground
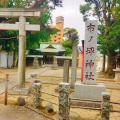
(51, 79)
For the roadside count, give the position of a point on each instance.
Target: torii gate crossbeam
(22, 26)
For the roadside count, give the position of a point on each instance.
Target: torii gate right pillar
(22, 52)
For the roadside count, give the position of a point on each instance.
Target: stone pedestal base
(89, 92)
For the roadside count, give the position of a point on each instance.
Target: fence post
(64, 102)
(37, 95)
(105, 107)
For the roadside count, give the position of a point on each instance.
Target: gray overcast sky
(72, 17)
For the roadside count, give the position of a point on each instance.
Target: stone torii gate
(22, 26)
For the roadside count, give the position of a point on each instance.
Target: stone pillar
(105, 107)
(64, 103)
(66, 71)
(37, 95)
(22, 52)
(74, 64)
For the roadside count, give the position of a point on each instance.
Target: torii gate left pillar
(22, 27)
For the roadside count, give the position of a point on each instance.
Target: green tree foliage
(16, 3)
(68, 51)
(107, 12)
(8, 38)
(71, 36)
(8, 41)
(67, 43)
(68, 47)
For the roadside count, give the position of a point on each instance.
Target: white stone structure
(89, 89)
(6, 60)
(22, 26)
(100, 63)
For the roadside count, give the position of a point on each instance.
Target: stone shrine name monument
(88, 89)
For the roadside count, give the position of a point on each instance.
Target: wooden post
(64, 102)
(105, 107)
(82, 66)
(6, 89)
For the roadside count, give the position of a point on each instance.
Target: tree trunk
(15, 55)
(103, 65)
(110, 61)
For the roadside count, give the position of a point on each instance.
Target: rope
(85, 107)
(12, 37)
(49, 93)
(8, 38)
(115, 103)
(13, 96)
(77, 99)
(48, 101)
(115, 111)
(10, 82)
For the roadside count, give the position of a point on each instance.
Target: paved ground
(14, 80)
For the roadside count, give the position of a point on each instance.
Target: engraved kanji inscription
(89, 76)
(90, 39)
(90, 27)
(90, 51)
(89, 63)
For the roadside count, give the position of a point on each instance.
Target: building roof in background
(51, 47)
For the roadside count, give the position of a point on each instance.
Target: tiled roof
(51, 47)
